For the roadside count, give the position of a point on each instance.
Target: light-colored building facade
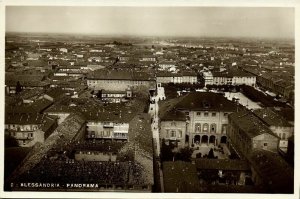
(248, 133)
(107, 130)
(28, 129)
(120, 80)
(205, 116)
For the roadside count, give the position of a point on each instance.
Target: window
(206, 114)
(198, 113)
(173, 133)
(265, 144)
(179, 133)
(205, 128)
(213, 128)
(197, 127)
(213, 114)
(224, 128)
(225, 114)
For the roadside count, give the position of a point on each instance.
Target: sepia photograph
(149, 99)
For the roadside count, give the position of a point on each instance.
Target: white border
(139, 3)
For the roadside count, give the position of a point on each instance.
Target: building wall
(26, 135)
(284, 133)
(265, 141)
(173, 130)
(208, 78)
(107, 130)
(244, 144)
(210, 123)
(222, 81)
(177, 79)
(250, 81)
(118, 85)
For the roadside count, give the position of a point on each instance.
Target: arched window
(197, 127)
(224, 128)
(213, 128)
(205, 127)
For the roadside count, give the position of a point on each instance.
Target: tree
(18, 88)
(166, 152)
(184, 154)
(211, 154)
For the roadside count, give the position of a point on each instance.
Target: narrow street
(153, 111)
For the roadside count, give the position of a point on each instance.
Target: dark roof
(36, 107)
(48, 122)
(173, 115)
(64, 133)
(222, 164)
(271, 118)
(205, 101)
(231, 73)
(287, 113)
(181, 177)
(250, 124)
(24, 118)
(100, 172)
(98, 145)
(31, 93)
(55, 93)
(41, 104)
(25, 80)
(277, 175)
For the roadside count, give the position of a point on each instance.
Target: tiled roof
(24, 118)
(205, 101)
(273, 170)
(36, 107)
(249, 123)
(222, 164)
(173, 115)
(181, 177)
(271, 118)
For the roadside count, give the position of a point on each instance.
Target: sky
(263, 22)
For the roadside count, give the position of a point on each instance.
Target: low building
(27, 82)
(165, 65)
(224, 171)
(118, 80)
(277, 124)
(173, 128)
(231, 77)
(115, 96)
(248, 133)
(30, 128)
(184, 77)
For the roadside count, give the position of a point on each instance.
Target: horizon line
(133, 35)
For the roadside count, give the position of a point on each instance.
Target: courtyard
(221, 152)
